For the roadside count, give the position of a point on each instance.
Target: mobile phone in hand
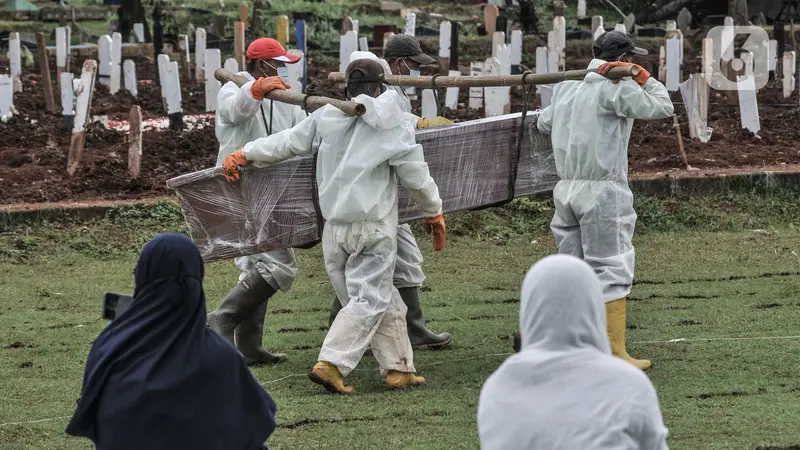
(115, 304)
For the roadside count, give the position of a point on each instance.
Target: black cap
(364, 71)
(405, 46)
(613, 44)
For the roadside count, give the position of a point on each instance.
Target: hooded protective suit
(241, 119)
(590, 122)
(359, 162)
(564, 390)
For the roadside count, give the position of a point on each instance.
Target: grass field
(721, 275)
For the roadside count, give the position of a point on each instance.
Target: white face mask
(283, 72)
(413, 73)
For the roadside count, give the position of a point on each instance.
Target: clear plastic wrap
(695, 93)
(473, 163)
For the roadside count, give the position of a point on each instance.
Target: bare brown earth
(34, 144)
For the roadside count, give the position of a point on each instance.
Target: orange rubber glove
(641, 78)
(265, 85)
(231, 163)
(436, 226)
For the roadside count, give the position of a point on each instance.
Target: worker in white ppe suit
(408, 274)
(359, 162)
(590, 124)
(564, 390)
(243, 115)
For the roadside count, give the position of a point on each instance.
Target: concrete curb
(672, 184)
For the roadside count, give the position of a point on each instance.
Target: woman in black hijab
(157, 378)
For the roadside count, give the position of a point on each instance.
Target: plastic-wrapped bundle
(475, 164)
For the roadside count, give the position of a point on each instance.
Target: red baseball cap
(267, 48)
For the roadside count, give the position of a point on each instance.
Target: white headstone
(707, 58)
(551, 40)
(476, 93)
(199, 54)
(541, 60)
(498, 39)
(671, 25)
(621, 28)
(429, 109)
(662, 64)
(748, 106)
(15, 60)
(173, 88)
(598, 32)
(727, 36)
(411, 24)
(789, 62)
(129, 69)
(104, 58)
(546, 91)
(67, 94)
(62, 47)
(581, 9)
(553, 59)
(560, 31)
(495, 101)
(183, 43)
(232, 66)
(84, 94)
(348, 44)
(138, 32)
(6, 95)
(162, 62)
(363, 45)
(213, 61)
(445, 31)
(747, 59)
(504, 57)
(451, 97)
(516, 47)
(355, 26)
(597, 23)
(673, 64)
(296, 72)
(116, 62)
(773, 55)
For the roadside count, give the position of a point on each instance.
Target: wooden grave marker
(673, 72)
(213, 61)
(451, 96)
(67, 100)
(104, 60)
(135, 142)
(490, 13)
(445, 35)
(199, 54)
(283, 30)
(748, 105)
(239, 44)
(296, 72)
(411, 25)
(789, 62)
(62, 53)
(494, 101)
(173, 95)
(516, 52)
(348, 43)
(129, 69)
(6, 97)
(476, 93)
(15, 60)
(429, 107)
(116, 63)
(84, 101)
(138, 32)
(44, 66)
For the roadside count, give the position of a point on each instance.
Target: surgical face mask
(283, 72)
(413, 73)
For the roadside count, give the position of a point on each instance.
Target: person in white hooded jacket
(564, 389)
(243, 115)
(359, 161)
(590, 124)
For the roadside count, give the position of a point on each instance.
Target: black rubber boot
(421, 337)
(240, 303)
(249, 339)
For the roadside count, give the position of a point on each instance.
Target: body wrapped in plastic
(475, 164)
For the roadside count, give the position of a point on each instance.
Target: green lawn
(705, 287)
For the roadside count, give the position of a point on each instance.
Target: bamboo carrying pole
(489, 81)
(312, 101)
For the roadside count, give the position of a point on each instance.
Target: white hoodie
(360, 160)
(564, 390)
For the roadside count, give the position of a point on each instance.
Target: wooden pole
(135, 148)
(44, 65)
(313, 102)
(243, 15)
(238, 44)
(489, 81)
(680, 141)
(81, 116)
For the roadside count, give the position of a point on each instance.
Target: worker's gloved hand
(432, 123)
(641, 78)
(265, 85)
(436, 226)
(231, 163)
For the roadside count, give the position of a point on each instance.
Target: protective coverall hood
(383, 112)
(594, 77)
(564, 389)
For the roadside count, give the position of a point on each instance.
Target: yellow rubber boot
(328, 376)
(615, 316)
(402, 380)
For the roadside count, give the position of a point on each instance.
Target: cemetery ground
(718, 273)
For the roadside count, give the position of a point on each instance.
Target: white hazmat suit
(564, 390)
(241, 119)
(359, 162)
(590, 122)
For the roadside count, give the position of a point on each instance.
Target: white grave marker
(748, 107)
(6, 97)
(789, 62)
(173, 88)
(662, 64)
(67, 99)
(504, 57)
(707, 60)
(84, 93)
(355, 26)
(673, 64)
(363, 44)
(727, 43)
(104, 57)
(15, 60)
(476, 93)
(516, 50)
(747, 59)
(199, 54)
(773, 55)
(411, 24)
(348, 43)
(495, 103)
(162, 62)
(598, 32)
(597, 24)
(541, 60)
(429, 108)
(232, 66)
(296, 72)
(498, 39)
(129, 68)
(116, 62)
(445, 33)
(560, 31)
(213, 61)
(547, 94)
(553, 59)
(138, 32)
(451, 97)
(581, 9)
(62, 48)
(621, 28)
